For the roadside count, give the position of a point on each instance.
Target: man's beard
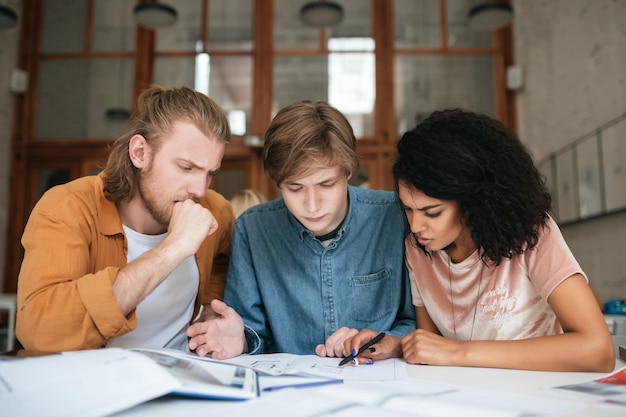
(146, 194)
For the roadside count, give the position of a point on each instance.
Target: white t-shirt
(164, 315)
(512, 300)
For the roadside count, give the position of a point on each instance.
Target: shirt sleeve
(213, 255)
(405, 321)
(411, 257)
(242, 292)
(62, 303)
(551, 261)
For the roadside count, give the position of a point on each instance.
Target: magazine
(204, 378)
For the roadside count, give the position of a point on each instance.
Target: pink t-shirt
(473, 301)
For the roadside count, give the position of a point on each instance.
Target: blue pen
(304, 385)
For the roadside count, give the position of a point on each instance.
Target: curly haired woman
(493, 282)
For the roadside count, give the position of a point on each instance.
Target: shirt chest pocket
(372, 296)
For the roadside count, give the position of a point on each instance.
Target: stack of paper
(99, 382)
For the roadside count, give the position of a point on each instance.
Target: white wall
(573, 53)
(8, 57)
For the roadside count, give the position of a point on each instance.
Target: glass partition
(342, 69)
(64, 23)
(460, 34)
(424, 83)
(113, 26)
(186, 32)
(416, 24)
(86, 70)
(289, 31)
(226, 79)
(230, 25)
(83, 98)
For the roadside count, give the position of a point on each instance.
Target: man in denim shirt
(312, 269)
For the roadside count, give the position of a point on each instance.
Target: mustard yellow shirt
(74, 247)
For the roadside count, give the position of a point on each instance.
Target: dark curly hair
(457, 155)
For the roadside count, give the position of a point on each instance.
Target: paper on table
(610, 388)
(82, 384)
(428, 407)
(289, 364)
(425, 398)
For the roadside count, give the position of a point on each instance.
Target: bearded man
(130, 257)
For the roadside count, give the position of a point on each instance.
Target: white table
(8, 303)
(523, 382)
(499, 380)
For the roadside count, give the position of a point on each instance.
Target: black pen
(363, 348)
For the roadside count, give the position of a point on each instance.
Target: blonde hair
(245, 199)
(305, 137)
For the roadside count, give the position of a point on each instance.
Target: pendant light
(321, 13)
(155, 15)
(8, 17)
(490, 16)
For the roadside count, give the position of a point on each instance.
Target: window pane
(427, 83)
(185, 33)
(357, 20)
(227, 80)
(174, 71)
(75, 95)
(416, 23)
(345, 80)
(289, 31)
(352, 81)
(299, 78)
(230, 25)
(113, 26)
(64, 26)
(460, 34)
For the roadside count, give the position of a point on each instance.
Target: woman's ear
(138, 150)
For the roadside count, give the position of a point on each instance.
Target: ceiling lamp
(8, 17)
(155, 15)
(490, 16)
(321, 13)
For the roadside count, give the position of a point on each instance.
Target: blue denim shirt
(293, 293)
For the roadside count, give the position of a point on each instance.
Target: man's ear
(138, 149)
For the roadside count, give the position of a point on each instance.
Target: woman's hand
(427, 348)
(388, 347)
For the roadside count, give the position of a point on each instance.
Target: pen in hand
(363, 348)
